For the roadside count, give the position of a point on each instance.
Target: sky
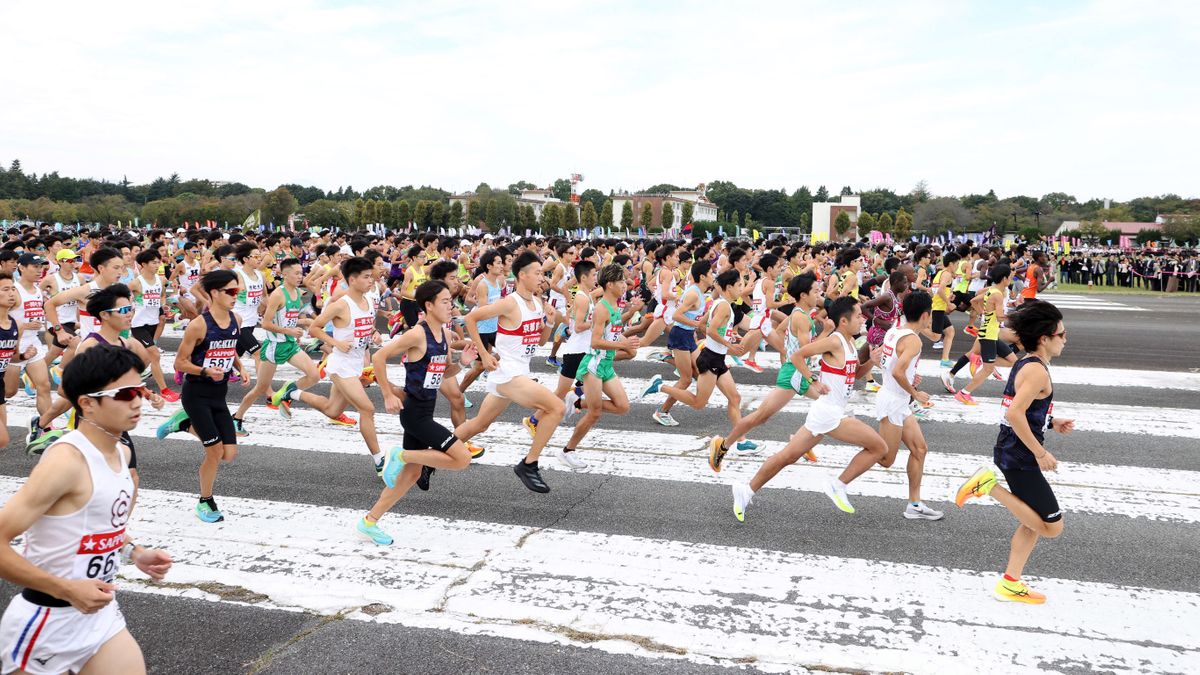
(1096, 99)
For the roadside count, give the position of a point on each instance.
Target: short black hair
(355, 266)
(997, 273)
(700, 268)
(728, 278)
(103, 255)
(215, 279)
(288, 262)
(1033, 320)
(427, 292)
(800, 284)
(610, 274)
(841, 308)
(915, 305)
(94, 369)
(106, 298)
(442, 269)
(584, 268)
(244, 250)
(147, 256)
(525, 260)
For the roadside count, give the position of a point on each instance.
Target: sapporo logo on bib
(7, 349)
(434, 372)
(220, 355)
(98, 555)
(152, 298)
(34, 310)
(364, 327)
(531, 335)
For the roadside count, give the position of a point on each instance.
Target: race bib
(254, 296)
(220, 355)
(152, 298)
(531, 335)
(99, 555)
(434, 372)
(364, 328)
(7, 349)
(34, 310)
(290, 318)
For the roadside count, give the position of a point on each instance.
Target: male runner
(10, 337)
(989, 302)
(30, 312)
(148, 290)
(681, 340)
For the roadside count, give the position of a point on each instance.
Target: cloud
(1088, 98)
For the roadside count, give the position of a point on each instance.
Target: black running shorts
(711, 362)
(247, 343)
(421, 432)
(990, 349)
(1032, 488)
(940, 322)
(144, 335)
(570, 364)
(209, 414)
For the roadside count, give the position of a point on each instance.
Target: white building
(538, 199)
(702, 209)
(825, 213)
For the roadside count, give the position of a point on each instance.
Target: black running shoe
(423, 481)
(531, 477)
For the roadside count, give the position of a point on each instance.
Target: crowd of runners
(82, 316)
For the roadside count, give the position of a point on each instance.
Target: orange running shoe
(1017, 591)
(978, 485)
(343, 420)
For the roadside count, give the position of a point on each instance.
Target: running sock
(533, 420)
(376, 456)
(294, 395)
(578, 390)
(962, 363)
(212, 503)
(916, 504)
(568, 449)
(368, 522)
(1009, 578)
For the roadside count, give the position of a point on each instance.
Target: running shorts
(70, 329)
(570, 365)
(600, 367)
(790, 378)
(940, 322)
(144, 335)
(344, 365)
(205, 406)
(990, 349)
(488, 340)
(246, 341)
(506, 371)
(278, 352)
(824, 417)
(421, 432)
(891, 407)
(1031, 487)
(682, 337)
(42, 350)
(410, 311)
(761, 322)
(711, 362)
(740, 310)
(55, 639)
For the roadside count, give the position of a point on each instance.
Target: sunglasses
(120, 310)
(231, 258)
(1061, 335)
(122, 393)
(231, 292)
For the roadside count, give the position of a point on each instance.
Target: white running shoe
(571, 459)
(570, 400)
(948, 381)
(742, 496)
(921, 512)
(937, 345)
(836, 491)
(664, 418)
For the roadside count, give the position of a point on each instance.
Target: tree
(1147, 235)
(735, 218)
(842, 223)
(1183, 230)
(561, 189)
(885, 223)
(1056, 201)
(587, 218)
(594, 196)
(941, 214)
(647, 216)
(491, 214)
(606, 214)
(570, 216)
(387, 213)
(667, 217)
(846, 191)
(920, 191)
(866, 223)
(551, 219)
(326, 213)
(370, 212)
(528, 216)
(903, 226)
(439, 214)
(474, 212)
(689, 212)
(661, 188)
(822, 195)
(403, 213)
(360, 212)
(278, 205)
(456, 214)
(627, 215)
(1092, 231)
(516, 188)
(422, 214)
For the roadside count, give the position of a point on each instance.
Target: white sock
(294, 395)
(377, 456)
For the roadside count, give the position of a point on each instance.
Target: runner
(206, 356)
(522, 327)
(148, 290)
(826, 416)
(488, 288)
(688, 318)
(186, 276)
(353, 320)
(107, 265)
(426, 443)
(803, 327)
(596, 369)
(60, 281)
(990, 302)
(561, 282)
(941, 329)
(579, 340)
(1036, 278)
(30, 312)
(901, 353)
(10, 337)
(74, 510)
(1019, 451)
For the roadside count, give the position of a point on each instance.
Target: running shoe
(948, 381)
(530, 476)
(553, 362)
(747, 447)
(664, 418)
(170, 395)
(836, 491)
(321, 367)
(423, 479)
(34, 430)
(27, 384)
(373, 532)
(178, 378)
(393, 464)
(569, 402)
(662, 357)
(56, 375)
(208, 513)
(530, 426)
(742, 496)
(976, 363)
(752, 365)
(467, 403)
(964, 397)
(1017, 591)
(737, 361)
(367, 378)
(972, 330)
(937, 345)
(173, 424)
(475, 450)
(979, 484)
(571, 460)
(239, 428)
(716, 453)
(284, 395)
(921, 512)
(652, 388)
(234, 377)
(871, 386)
(997, 376)
(810, 456)
(39, 445)
(285, 410)
(343, 420)
(947, 363)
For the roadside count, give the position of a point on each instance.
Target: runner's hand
(392, 402)
(342, 346)
(631, 343)
(153, 562)
(921, 397)
(29, 353)
(296, 332)
(156, 401)
(1047, 462)
(916, 381)
(820, 387)
(1063, 426)
(89, 595)
(489, 361)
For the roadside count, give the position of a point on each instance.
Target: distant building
(703, 210)
(538, 199)
(824, 214)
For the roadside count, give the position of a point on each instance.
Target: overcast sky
(1092, 98)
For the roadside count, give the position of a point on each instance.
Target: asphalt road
(244, 634)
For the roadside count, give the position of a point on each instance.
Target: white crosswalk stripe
(1088, 302)
(662, 598)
